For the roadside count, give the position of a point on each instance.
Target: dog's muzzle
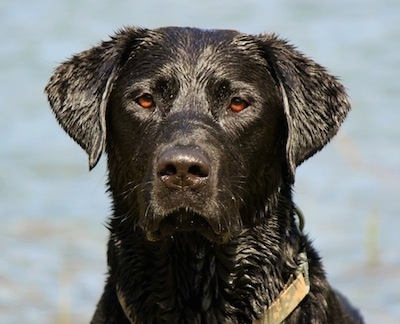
(183, 178)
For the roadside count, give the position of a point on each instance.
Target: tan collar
(293, 293)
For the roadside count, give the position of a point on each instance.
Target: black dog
(203, 132)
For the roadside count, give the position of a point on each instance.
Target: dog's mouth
(188, 221)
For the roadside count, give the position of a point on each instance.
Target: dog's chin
(182, 221)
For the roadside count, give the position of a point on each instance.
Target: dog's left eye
(146, 100)
(237, 104)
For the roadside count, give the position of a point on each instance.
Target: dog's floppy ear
(79, 90)
(315, 103)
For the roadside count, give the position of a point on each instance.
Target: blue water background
(52, 211)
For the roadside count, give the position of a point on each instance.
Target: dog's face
(201, 126)
(192, 124)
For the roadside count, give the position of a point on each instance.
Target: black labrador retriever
(204, 130)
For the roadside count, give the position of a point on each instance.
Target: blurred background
(53, 211)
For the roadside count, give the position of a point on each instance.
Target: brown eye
(146, 100)
(238, 104)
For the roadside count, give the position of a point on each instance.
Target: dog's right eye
(146, 100)
(237, 104)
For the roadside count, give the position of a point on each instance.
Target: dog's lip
(184, 220)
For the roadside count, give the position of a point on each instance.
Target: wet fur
(295, 108)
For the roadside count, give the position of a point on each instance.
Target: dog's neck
(188, 278)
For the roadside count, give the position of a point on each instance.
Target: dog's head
(197, 124)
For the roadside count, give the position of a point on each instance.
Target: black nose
(183, 168)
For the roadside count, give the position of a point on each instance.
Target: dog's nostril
(168, 170)
(183, 167)
(199, 170)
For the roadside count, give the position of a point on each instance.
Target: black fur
(216, 242)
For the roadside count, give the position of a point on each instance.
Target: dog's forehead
(197, 50)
